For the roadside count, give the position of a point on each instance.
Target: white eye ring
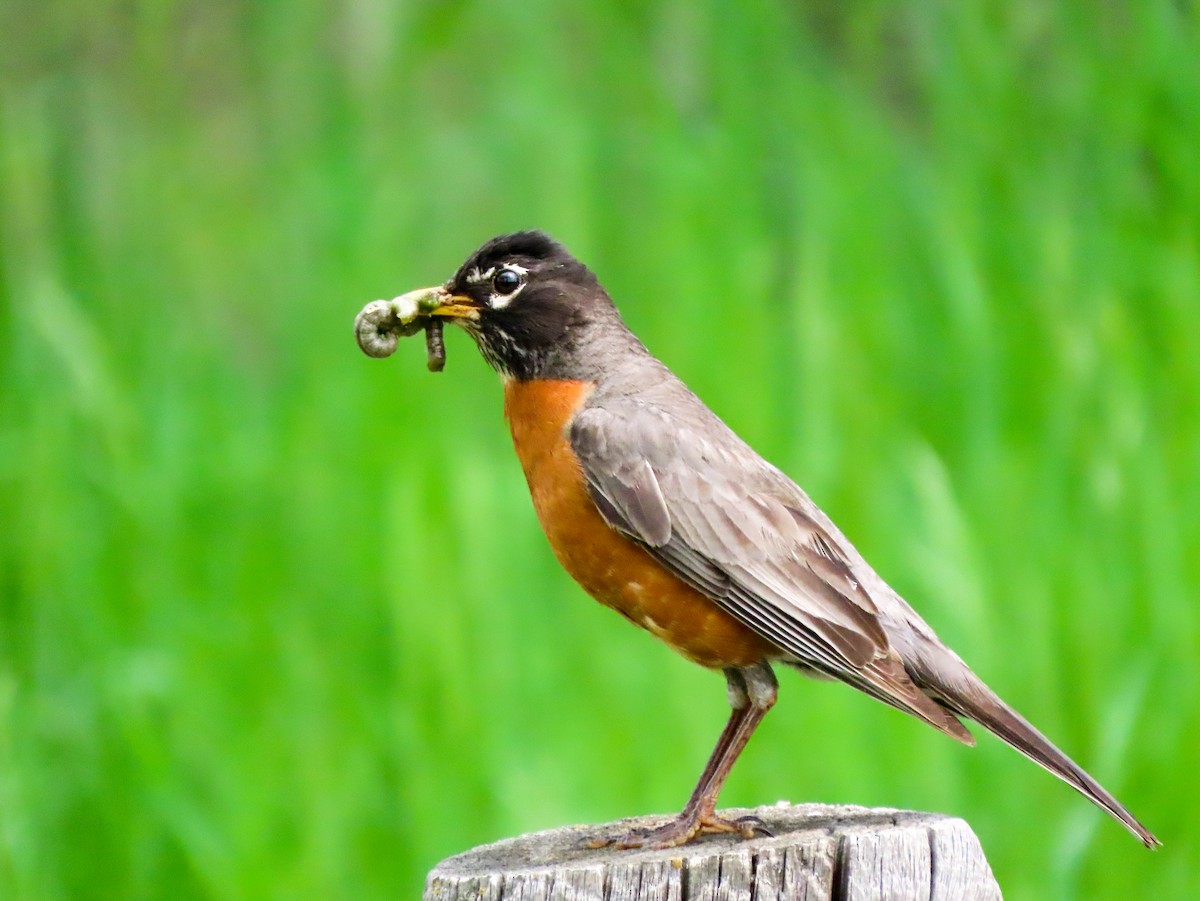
(507, 284)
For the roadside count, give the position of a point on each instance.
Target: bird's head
(523, 298)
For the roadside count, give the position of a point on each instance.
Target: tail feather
(971, 698)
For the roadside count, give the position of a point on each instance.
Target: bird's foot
(681, 830)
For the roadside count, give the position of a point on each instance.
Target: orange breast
(614, 570)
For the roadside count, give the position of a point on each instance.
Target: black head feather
(525, 247)
(532, 330)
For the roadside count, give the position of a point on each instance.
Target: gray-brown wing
(736, 529)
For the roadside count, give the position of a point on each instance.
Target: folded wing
(739, 531)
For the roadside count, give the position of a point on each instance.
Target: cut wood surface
(817, 852)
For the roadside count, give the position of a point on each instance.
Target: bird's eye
(506, 281)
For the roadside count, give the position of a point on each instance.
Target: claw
(752, 827)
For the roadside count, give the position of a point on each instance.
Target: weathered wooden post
(817, 852)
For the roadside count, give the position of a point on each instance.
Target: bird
(665, 515)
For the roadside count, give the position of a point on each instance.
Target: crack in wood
(838, 889)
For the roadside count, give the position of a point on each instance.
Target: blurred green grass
(277, 621)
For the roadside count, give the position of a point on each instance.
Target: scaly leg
(752, 692)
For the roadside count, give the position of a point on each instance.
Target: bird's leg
(752, 692)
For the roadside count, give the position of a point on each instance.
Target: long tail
(966, 695)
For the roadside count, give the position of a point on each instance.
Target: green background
(277, 621)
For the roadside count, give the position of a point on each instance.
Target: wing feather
(743, 534)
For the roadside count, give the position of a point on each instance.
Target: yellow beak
(436, 301)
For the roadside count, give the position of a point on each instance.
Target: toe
(752, 827)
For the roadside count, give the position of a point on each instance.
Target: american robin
(665, 515)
